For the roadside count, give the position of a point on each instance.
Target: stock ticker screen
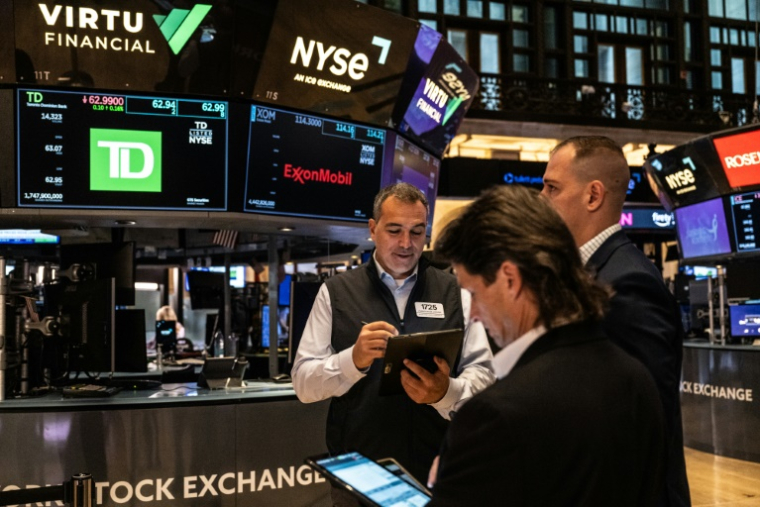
(304, 165)
(744, 209)
(111, 150)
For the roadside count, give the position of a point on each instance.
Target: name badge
(429, 310)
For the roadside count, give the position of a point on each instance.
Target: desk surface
(168, 394)
(716, 346)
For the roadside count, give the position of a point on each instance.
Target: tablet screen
(373, 481)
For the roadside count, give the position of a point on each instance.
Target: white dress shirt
(507, 358)
(591, 246)
(320, 373)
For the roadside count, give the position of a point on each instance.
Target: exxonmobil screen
(311, 166)
(740, 158)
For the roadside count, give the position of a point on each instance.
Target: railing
(554, 100)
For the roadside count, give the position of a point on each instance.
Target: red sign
(740, 158)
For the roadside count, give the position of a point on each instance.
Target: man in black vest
(337, 354)
(586, 181)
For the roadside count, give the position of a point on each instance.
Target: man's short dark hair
(404, 192)
(589, 145)
(514, 223)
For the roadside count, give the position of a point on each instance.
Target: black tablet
(372, 483)
(419, 347)
(222, 372)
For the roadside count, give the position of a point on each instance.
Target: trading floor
(725, 482)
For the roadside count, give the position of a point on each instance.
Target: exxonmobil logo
(301, 175)
(740, 158)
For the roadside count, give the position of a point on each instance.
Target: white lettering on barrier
(713, 391)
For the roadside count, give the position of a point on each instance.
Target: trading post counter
(720, 399)
(179, 446)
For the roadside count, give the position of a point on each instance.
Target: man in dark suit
(572, 420)
(586, 181)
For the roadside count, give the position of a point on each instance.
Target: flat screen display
(651, 219)
(417, 167)
(740, 158)
(687, 174)
(744, 209)
(702, 230)
(310, 166)
(745, 320)
(26, 237)
(91, 150)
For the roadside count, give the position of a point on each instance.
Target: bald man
(586, 181)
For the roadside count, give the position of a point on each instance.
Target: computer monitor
(131, 349)
(703, 231)
(303, 296)
(282, 332)
(283, 291)
(745, 321)
(743, 281)
(206, 289)
(166, 335)
(103, 261)
(85, 311)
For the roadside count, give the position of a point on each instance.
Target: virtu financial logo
(180, 24)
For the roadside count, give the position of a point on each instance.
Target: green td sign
(125, 160)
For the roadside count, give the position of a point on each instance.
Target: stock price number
(56, 180)
(308, 120)
(164, 104)
(54, 148)
(103, 100)
(214, 107)
(37, 196)
(52, 116)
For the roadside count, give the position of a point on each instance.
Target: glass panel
(520, 14)
(663, 52)
(551, 68)
(580, 20)
(715, 9)
(743, 37)
(632, 3)
(392, 5)
(521, 63)
(489, 53)
(580, 44)
(497, 11)
(734, 37)
(621, 24)
(687, 41)
(657, 4)
(634, 66)
(717, 81)
(581, 68)
(427, 6)
(550, 28)
(725, 36)
(606, 63)
(458, 40)
(642, 27)
(661, 28)
(474, 8)
(757, 78)
(736, 9)
(737, 75)
(753, 11)
(430, 23)
(751, 39)
(663, 75)
(715, 57)
(715, 35)
(520, 39)
(601, 22)
(451, 7)
(689, 80)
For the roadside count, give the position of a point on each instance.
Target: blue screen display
(745, 320)
(702, 230)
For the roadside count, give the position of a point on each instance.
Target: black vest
(387, 426)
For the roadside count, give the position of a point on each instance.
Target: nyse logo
(201, 134)
(343, 61)
(680, 179)
(125, 160)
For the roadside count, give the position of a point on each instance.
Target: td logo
(125, 160)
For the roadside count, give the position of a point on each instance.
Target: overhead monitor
(740, 157)
(647, 218)
(408, 163)
(438, 89)
(703, 231)
(338, 57)
(312, 166)
(687, 174)
(96, 150)
(745, 320)
(745, 209)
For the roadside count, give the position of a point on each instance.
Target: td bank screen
(111, 150)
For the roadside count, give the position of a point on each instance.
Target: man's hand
(433, 474)
(371, 343)
(428, 387)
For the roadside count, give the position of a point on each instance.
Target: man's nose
(405, 240)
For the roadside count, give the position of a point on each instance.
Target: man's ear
(595, 194)
(372, 227)
(511, 277)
